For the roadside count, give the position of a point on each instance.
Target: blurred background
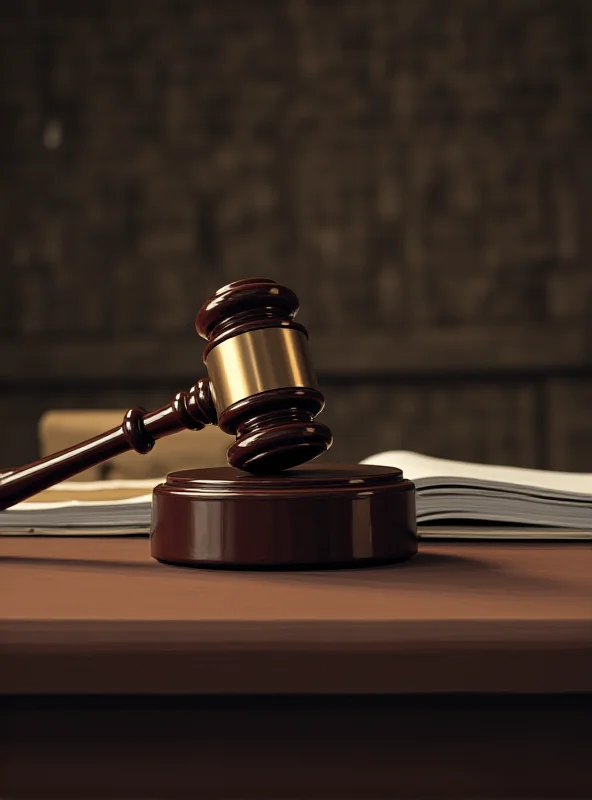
(418, 171)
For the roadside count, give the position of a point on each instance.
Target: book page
(70, 494)
(416, 466)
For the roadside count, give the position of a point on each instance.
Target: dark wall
(419, 172)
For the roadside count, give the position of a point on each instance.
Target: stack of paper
(466, 500)
(101, 507)
(460, 492)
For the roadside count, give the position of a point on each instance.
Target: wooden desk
(466, 672)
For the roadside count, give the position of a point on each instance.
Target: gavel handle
(139, 430)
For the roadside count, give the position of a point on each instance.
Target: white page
(147, 484)
(416, 465)
(143, 495)
(39, 506)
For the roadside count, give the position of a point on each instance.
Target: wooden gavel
(261, 388)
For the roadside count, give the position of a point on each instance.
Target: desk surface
(99, 615)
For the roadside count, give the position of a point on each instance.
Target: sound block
(307, 518)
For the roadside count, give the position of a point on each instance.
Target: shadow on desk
(436, 566)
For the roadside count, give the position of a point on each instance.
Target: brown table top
(99, 615)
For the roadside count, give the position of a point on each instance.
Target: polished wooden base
(334, 516)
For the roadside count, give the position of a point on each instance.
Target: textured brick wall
(418, 170)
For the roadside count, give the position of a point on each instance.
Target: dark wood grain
(570, 425)
(476, 349)
(493, 618)
(423, 157)
(420, 173)
(474, 420)
(448, 676)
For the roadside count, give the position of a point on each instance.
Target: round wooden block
(310, 517)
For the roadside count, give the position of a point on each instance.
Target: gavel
(258, 512)
(261, 388)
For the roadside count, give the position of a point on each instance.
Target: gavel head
(261, 378)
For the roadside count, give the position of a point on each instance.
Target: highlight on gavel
(261, 388)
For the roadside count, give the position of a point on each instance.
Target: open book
(454, 498)
(89, 507)
(553, 504)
